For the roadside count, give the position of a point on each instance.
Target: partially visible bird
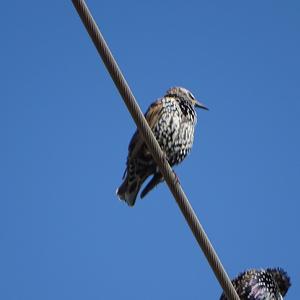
(260, 284)
(172, 119)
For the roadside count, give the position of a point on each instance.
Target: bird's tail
(129, 189)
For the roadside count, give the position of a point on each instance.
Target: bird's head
(282, 279)
(184, 94)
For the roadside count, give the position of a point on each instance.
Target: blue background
(65, 131)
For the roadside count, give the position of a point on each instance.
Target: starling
(268, 284)
(172, 119)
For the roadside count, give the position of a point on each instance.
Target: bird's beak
(200, 105)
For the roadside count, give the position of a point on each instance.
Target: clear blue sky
(64, 134)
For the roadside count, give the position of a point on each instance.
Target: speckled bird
(268, 284)
(172, 119)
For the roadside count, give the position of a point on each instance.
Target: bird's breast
(175, 131)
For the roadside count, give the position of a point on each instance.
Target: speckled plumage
(172, 119)
(268, 284)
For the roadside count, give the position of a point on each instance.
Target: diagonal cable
(154, 148)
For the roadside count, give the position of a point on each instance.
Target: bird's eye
(191, 96)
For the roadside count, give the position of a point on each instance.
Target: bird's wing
(257, 285)
(152, 116)
(258, 291)
(154, 113)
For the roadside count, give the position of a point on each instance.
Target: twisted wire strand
(155, 149)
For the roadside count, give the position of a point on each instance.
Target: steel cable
(155, 149)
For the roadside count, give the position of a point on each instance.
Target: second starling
(172, 119)
(268, 284)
